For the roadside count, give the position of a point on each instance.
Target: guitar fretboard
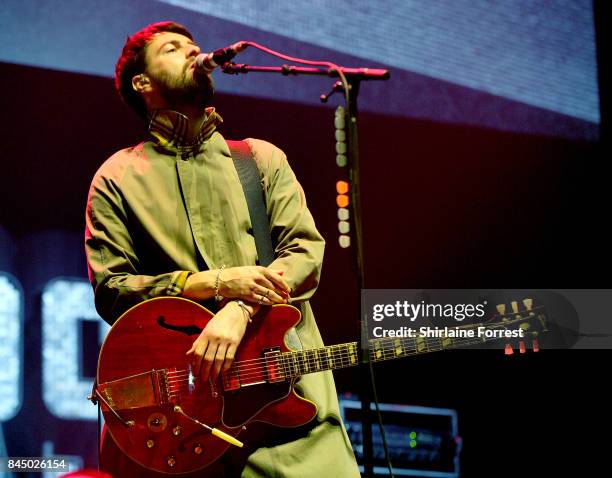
(302, 362)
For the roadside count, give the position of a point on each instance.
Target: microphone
(207, 62)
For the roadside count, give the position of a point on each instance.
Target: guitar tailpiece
(127, 423)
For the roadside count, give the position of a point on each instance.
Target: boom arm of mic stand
(362, 74)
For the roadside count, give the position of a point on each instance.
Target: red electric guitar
(170, 421)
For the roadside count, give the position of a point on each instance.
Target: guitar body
(144, 373)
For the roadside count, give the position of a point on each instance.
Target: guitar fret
(287, 360)
(399, 349)
(446, 342)
(294, 364)
(311, 360)
(298, 361)
(340, 356)
(306, 364)
(346, 361)
(283, 360)
(376, 350)
(353, 354)
(421, 344)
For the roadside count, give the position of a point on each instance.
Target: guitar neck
(338, 356)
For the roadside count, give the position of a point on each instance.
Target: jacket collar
(168, 129)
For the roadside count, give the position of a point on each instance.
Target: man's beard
(186, 90)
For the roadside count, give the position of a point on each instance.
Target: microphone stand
(354, 77)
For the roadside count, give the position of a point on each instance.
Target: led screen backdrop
(516, 65)
(539, 53)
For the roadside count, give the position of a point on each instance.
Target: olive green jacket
(162, 209)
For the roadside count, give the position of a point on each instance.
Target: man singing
(168, 217)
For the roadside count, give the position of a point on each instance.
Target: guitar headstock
(526, 317)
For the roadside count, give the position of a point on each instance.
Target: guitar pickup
(274, 368)
(273, 371)
(148, 389)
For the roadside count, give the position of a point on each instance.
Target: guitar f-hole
(185, 329)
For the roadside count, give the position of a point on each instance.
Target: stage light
(65, 304)
(11, 347)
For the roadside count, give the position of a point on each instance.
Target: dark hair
(132, 62)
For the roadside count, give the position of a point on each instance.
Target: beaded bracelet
(218, 298)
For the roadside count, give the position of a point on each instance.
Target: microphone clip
(338, 87)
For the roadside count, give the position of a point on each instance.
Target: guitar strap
(248, 173)
(247, 170)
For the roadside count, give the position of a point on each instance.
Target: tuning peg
(528, 303)
(522, 348)
(515, 309)
(501, 309)
(508, 350)
(536, 345)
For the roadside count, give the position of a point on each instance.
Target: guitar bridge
(147, 389)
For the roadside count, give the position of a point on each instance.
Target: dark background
(444, 206)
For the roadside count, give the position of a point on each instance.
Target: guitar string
(343, 357)
(246, 370)
(309, 363)
(261, 360)
(388, 349)
(240, 369)
(257, 362)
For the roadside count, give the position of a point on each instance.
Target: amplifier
(422, 441)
